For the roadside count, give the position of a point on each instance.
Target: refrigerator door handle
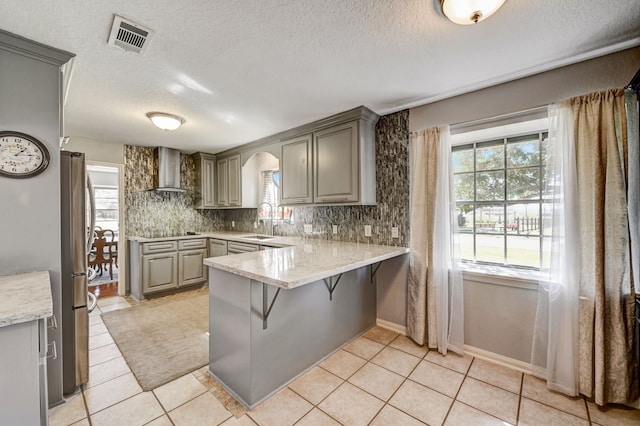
(78, 274)
(94, 301)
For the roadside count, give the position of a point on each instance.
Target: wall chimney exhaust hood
(168, 170)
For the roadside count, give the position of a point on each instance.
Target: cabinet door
(208, 183)
(217, 248)
(235, 181)
(336, 165)
(159, 272)
(192, 269)
(295, 171)
(222, 184)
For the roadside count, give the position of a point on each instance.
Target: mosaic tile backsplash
(152, 214)
(159, 214)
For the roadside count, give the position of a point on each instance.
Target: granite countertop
(25, 297)
(302, 261)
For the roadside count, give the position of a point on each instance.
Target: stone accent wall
(392, 194)
(158, 214)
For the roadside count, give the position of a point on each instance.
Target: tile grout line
(405, 378)
(455, 398)
(520, 398)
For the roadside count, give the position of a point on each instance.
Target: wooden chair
(104, 251)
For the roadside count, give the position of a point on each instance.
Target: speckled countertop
(25, 297)
(303, 261)
(293, 261)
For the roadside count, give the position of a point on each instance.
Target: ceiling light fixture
(466, 12)
(165, 121)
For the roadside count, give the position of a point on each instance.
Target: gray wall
(499, 314)
(104, 152)
(614, 70)
(30, 225)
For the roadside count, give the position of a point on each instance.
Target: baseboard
(515, 364)
(392, 326)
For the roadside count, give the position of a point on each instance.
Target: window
(270, 194)
(106, 199)
(499, 190)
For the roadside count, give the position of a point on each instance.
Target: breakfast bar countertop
(300, 261)
(25, 297)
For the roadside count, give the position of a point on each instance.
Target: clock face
(21, 155)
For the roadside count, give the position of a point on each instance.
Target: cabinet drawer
(159, 247)
(192, 244)
(235, 248)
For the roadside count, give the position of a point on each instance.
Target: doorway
(106, 180)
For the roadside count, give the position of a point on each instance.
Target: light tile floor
(381, 378)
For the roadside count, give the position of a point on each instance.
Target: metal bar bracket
(266, 306)
(375, 270)
(331, 287)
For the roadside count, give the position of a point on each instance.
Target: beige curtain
(606, 291)
(421, 308)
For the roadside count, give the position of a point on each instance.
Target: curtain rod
(635, 82)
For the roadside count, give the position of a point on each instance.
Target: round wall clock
(21, 155)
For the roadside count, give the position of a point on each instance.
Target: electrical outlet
(308, 228)
(335, 229)
(367, 230)
(394, 232)
(233, 223)
(255, 225)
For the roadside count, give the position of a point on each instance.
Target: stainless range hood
(168, 170)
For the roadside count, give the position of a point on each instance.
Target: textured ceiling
(239, 70)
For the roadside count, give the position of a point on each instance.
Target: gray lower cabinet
(191, 257)
(166, 265)
(237, 248)
(217, 247)
(23, 374)
(159, 272)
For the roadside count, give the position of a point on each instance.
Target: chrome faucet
(271, 225)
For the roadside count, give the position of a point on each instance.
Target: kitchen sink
(258, 237)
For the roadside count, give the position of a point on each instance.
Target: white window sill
(501, 275)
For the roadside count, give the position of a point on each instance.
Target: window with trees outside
(106, 199)
(500, 192)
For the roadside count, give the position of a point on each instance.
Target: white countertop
(303, 260)
(25, 297)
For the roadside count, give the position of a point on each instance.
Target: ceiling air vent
(129, 36)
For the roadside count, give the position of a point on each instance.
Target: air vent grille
(129, 36)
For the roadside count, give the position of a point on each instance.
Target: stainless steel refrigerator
(75, 309)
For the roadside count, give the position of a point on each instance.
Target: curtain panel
(607, 370)
(435, 313)
(555, 343)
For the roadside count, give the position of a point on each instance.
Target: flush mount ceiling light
(466, 12)
(165, 121)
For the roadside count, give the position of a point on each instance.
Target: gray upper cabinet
(336, 164)
(333, 165)
(295, 169)
(235, 180)
(222, 185)
(205, 180)
(229, 181)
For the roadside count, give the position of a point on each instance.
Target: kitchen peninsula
(276, 313)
